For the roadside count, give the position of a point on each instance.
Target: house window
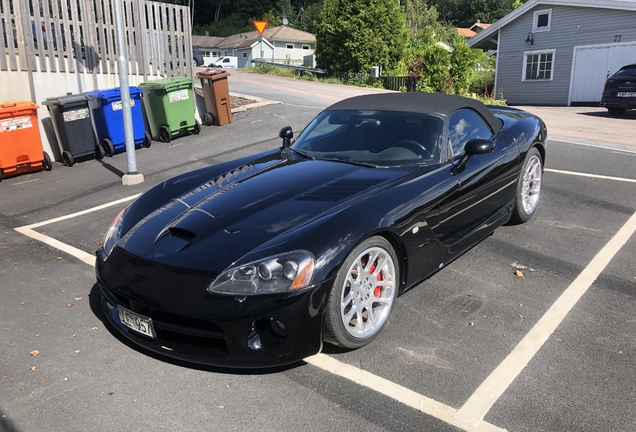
(538, 65)
(541, 20)
(306, 47)
(290, 46)
(244, 55)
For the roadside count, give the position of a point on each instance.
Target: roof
(466, 32)
(279, 33)
(206, 41)
(416, 102)
(479, 26)
(487, 37)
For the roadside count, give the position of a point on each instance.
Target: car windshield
(375, 138)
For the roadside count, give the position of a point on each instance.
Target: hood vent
(339, 190)
(181, 233)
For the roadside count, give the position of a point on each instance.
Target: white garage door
(593, 65)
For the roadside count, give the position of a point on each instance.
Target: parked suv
(619, 93)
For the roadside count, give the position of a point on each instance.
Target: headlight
(276, 274)
(114, 233)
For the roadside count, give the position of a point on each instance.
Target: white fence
(52, 47)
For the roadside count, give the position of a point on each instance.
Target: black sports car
(619, 93)
(254, 262)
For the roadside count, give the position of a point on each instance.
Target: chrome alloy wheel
(368, 293)
(531, 186)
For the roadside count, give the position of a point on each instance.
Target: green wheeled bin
(169, 107)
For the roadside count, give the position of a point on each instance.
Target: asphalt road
(420, 374)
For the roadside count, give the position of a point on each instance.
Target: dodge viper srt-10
(255, 262)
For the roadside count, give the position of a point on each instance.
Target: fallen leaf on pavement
(35, 352)
(32, 368)
(77, 298)
(76, 351)
(59, 257)
(70, 305)
(94, 328)
(522, 317)
(520, 274)
(472, 323)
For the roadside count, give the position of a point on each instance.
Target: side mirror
(474, 146)
(479, 146)
(286, 134)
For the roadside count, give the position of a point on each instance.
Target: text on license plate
(626, 94)
(138, 323)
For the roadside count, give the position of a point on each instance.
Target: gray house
(559, 52)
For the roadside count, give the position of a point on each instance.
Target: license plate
(136, 322)
(626, 94)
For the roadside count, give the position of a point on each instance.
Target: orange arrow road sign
(260, 26)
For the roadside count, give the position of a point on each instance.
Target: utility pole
(132, 177)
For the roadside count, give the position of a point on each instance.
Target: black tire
(165, 134)
(46, 162)
(208, 120)
(0, 175)
(528, 187)
(109, 148)
(99, 152)
(197, 127)
(616, 112)
(355, 322)
(68, 159)
(147, 140)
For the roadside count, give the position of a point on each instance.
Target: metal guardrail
(298, 68)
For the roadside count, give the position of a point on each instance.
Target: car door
(485, 184)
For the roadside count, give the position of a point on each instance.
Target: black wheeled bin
(73, 128)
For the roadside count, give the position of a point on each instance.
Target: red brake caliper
(377, 291)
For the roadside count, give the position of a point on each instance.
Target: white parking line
(89, 259)
(478, 405)
(602, 147)
(598, 176)
(395, 391)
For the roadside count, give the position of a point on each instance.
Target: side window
(465, 124)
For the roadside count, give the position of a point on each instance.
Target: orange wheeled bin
(20, 143)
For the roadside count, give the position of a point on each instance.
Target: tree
(353, 35)
(464, 13)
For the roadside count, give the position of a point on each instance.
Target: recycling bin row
(91, 125)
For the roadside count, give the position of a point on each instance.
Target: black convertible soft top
(418, 102)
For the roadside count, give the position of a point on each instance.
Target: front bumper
(195, 326)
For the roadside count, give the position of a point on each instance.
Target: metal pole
(132, 177)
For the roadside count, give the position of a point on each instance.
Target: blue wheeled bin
(108, 119)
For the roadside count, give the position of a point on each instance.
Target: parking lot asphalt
(474, 347)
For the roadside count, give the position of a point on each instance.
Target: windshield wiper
(352, 162)
(302, 153)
